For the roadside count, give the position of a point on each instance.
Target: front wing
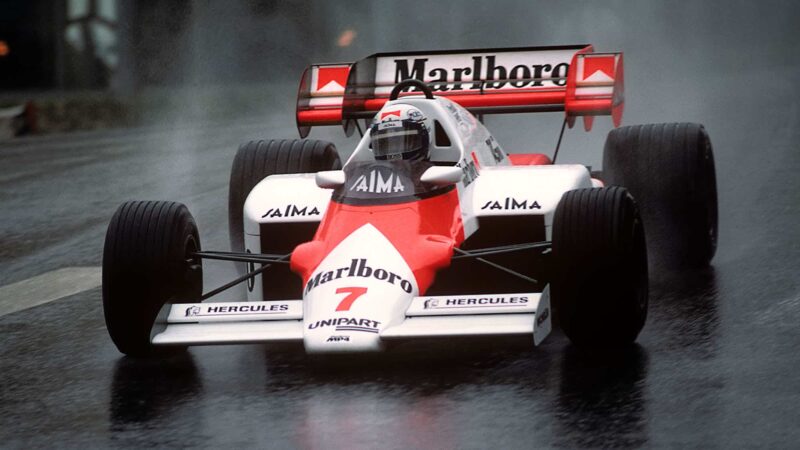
(426, 317)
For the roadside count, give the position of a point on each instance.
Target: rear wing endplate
(573, 79)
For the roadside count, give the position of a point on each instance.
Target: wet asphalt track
(716, 366)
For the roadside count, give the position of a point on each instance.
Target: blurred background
(83, 64)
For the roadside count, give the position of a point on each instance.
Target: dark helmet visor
(394, 143)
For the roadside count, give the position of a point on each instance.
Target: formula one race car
(430, 229)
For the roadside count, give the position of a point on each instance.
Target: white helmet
(400, 132)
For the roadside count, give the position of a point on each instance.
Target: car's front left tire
(600, 286)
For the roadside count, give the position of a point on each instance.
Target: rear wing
(573, 79)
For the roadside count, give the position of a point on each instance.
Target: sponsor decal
(396, 112)
(338, 339)
(542, 317)
(495, 148)
(292, 211)
(463, 124)
(390, 124)
(378, 183)
(470, 171)
(486, 67)
(454, 112)
(359, 268)
(597, 68)
(510, 204)
(331, 78)
(415, 115)
(224, 310)
(347, 324)
(459, 302)
(353, 293)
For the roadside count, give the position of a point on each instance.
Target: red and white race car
(430, 228)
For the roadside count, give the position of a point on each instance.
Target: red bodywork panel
(530, 159)
(424, 232)
(308, 117)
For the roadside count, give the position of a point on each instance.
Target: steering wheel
(411, 83)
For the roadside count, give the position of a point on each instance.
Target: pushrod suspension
(242, 257)
(497, 266)
(241, 279)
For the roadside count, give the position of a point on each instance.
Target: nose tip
(344, 341)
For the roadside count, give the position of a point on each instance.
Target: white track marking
(47, 287)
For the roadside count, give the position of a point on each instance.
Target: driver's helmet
(400, 132)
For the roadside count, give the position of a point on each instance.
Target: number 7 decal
(352, 295)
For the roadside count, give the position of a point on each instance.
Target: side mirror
(330, 179)
(442, 175)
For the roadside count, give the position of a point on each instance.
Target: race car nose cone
(362, 286)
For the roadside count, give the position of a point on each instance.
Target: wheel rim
(190, 268)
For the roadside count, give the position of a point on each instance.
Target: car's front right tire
(147, 262)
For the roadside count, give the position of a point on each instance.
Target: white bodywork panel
(230, 333)
(496, 324)
(520, 190)
(285, 198)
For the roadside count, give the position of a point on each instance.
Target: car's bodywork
(392, 250)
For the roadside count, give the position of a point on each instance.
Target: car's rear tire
(147, 263)
(599, 288)
(257, 160)
(669, 169)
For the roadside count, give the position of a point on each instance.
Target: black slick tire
(669, 169)
(147, 263)
(600, 286)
